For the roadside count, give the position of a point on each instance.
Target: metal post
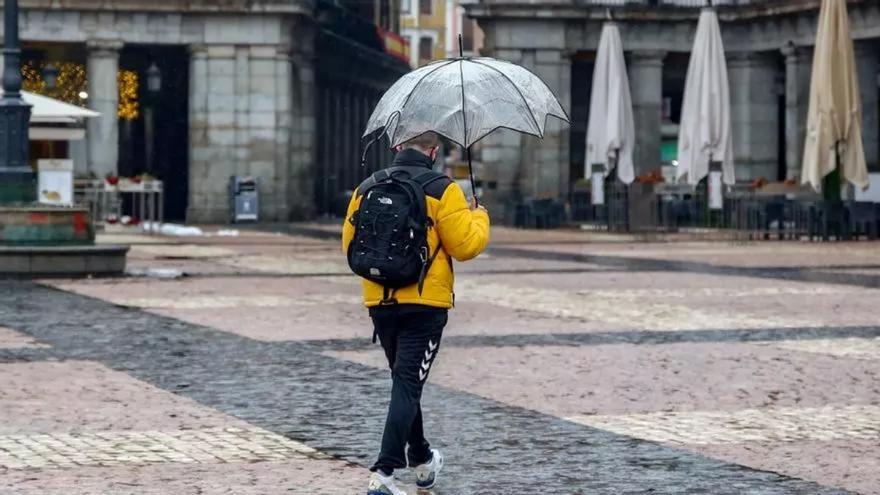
(16, 177)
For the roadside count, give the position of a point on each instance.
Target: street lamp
(16, 178)
(50, 76)
(154, 86)
(154, 79)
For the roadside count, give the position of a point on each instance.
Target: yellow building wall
(435, 23)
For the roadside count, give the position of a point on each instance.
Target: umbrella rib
(531, 112)
(415, 87)
(463, 109)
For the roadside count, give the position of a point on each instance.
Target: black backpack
(390, 244)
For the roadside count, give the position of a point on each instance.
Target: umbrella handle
(471, 173)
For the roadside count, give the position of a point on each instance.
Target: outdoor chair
(580, 206)
(863, 219)
(521, 215)
(548, 213)
(772, 217)
(827, 218)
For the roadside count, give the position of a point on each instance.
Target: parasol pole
(468, 148)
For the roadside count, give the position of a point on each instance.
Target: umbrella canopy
(45, 110)
(610, 131)
(704, 132)
(834, 119)
(464, 99)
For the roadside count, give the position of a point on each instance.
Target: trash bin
(243, 199)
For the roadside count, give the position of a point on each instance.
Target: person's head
(427, 143)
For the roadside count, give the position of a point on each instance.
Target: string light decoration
(129, 106)
(72, 86)
(71, 81)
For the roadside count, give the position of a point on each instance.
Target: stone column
(524, 166)
(798, 61)
(646, 82)
(548, 158)
(200, 154)
(755, 114)
(868, 66)
(103, 131)
(283, 132)
(303, 139)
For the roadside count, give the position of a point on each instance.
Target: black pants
(410, 336)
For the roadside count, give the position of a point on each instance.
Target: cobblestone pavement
(600, 367)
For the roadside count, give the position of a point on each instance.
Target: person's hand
(476, 206)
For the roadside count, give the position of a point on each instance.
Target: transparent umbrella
(464, 99)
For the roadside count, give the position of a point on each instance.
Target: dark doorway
(154, 130)
(581, 86)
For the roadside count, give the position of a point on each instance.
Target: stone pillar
(103, 131)
(283, 119)
(241, 123)
(525, 166)
(868, 67)
(646, 82)
(548, 159)
(798, 62)
(755, 114)
(201, 154)
(263, 97)
(303, 127)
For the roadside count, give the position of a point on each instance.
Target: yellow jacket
(462, 233)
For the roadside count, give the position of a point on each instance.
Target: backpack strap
(372, 180)
(427, 266)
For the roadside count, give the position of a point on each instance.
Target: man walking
(409, 310)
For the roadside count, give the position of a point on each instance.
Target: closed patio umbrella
(704, 132)
(834, 120)
(610, 131)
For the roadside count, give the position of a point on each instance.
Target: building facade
(196, 91)
(769, 49)
(431, 29)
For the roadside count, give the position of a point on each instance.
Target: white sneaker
(383, 485)
(426, 474)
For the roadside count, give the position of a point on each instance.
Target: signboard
(55, 182)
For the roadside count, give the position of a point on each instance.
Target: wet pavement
(629, 370)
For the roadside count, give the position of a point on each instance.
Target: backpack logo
(386, 201)
(375, 272)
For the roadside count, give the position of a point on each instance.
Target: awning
(47, 133)
(49, 110)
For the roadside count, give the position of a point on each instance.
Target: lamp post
(16, 177)
(154, 87)
(50, 76)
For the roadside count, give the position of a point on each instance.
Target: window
(426, 49)
(467, 33)
(425, 7)
(405, 6)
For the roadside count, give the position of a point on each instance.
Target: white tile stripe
(215, 445)
(219, 302)
(645, 313)
(747, 425)
(846, 348)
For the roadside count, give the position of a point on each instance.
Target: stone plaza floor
(575, 363)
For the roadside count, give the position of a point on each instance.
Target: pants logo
(429, 358)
